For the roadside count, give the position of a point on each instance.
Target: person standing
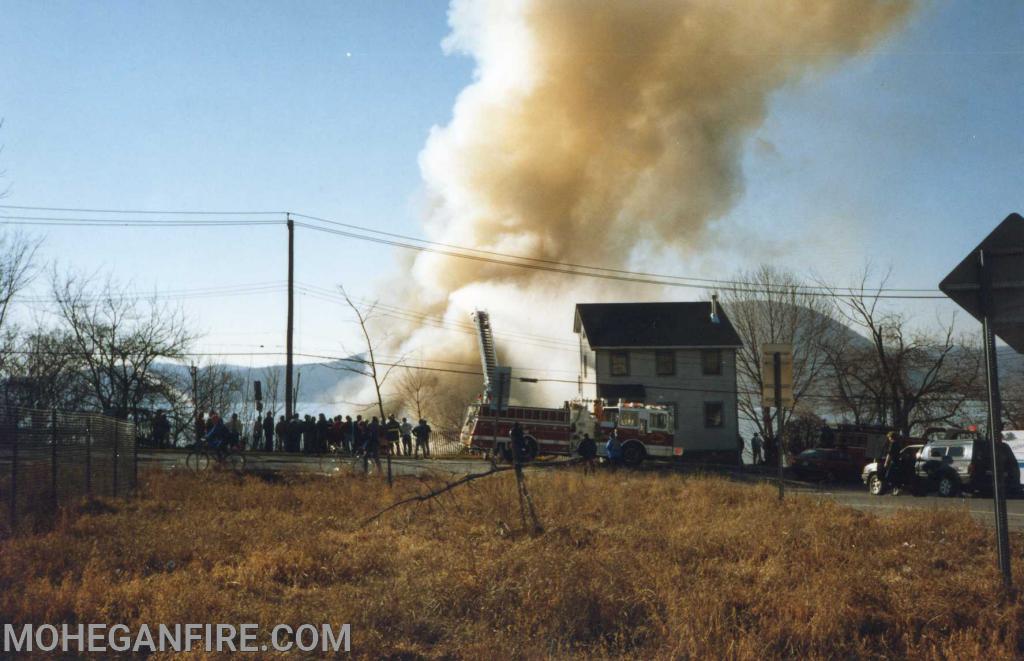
(740, 447)
(755, 449)
(587, 450)
(360, 434)
(268, 432)
(392, 431)
(320, 445)
(281, 432)
(348, 436)
(257, 433)
(422, 433)
(371, 445)
(892, 453)
(294, 433)
(161, 429)
(406, 430)
(235, 427)
(613, 448)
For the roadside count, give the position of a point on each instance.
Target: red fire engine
(644, 430)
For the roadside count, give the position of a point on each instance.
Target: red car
(830, 464)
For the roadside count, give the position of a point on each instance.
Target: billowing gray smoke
(596, 129)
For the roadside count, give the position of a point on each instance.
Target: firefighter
(393, 433)
(587, 449)
(422, 433)
(613, 448)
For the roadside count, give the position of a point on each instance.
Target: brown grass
(630, 565)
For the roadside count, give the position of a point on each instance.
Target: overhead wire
(704, 281)
(476, 254)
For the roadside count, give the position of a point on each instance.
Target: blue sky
(907, 155)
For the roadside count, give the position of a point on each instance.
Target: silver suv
(946, 462)
(960, 460)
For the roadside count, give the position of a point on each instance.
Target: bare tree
(417, 391)
(17, 262)
(120, 339)
(218, 388)
(906, 377)
(46, 372)
(367, 366)
(778, 309)
(271, 386)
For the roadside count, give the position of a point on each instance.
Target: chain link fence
(445, 443)
(52, 458)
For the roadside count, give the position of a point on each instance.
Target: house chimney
(714, 309)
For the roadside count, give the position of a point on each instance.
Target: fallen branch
(419, 498)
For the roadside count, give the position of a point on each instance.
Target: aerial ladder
(497, 379)
(485, 339)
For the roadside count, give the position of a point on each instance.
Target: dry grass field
(629, 565)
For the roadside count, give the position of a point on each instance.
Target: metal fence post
(14, 472)
(135, 462)
(117, 429)
(53, 457)
(88, 457)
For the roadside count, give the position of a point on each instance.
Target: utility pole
(777, 391)
(289, 405)
(193, 372)
(777, 395)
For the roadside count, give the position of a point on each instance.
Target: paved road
(300, 463)
(850, 495)
(978, 507)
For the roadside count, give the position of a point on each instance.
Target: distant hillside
(317, 383)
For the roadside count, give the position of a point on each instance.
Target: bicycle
(201, 455)
(331, 460)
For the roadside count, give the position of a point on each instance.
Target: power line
(476, 254)
(204, 292)
(601, 275)
(145, 211)
(445, 324)
(53, 221)
(705, 281)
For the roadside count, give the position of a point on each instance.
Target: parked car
(953, 461)
(829, 464)
(904, 476)
(1014, 439)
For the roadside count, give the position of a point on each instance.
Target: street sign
(768, 352)
(989, 284)
(1003, 251)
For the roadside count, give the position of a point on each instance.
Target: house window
(665, 363)
(620, 363)
(711, 362)
(714, 414)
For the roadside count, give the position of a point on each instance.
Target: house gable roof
(608, 325)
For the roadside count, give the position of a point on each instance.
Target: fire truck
(645, 430)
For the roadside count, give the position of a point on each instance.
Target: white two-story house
(680, 355)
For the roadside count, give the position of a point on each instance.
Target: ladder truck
(645, 430)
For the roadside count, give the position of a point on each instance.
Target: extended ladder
(488, 356)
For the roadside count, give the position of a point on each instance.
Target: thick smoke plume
(601, 132)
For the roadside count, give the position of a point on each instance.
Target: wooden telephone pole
(289, 405)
